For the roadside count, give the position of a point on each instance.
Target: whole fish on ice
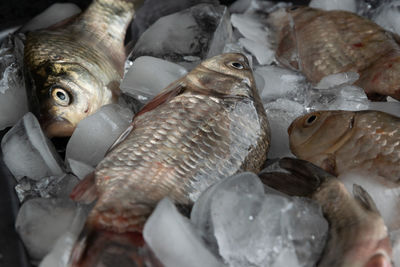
(319, 43)
(206, 126)
(358, 236)
(75, 67)
(339, 141)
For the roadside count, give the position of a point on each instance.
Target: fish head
(61, 89)
(225, 75)
(319, 132)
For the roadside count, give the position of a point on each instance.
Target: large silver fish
(319, 43)
(206, 126)
(74, 68)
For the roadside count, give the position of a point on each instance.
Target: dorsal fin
(364, 199)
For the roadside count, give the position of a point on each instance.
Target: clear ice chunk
(388, 16)
(80, 169)
(348, 5)
(28, 152)
(338, 79)
(95, 134)
(280, 82)
(152, 10)
(280, 115)
(52, 15)
(187, 37)
(60, 253)
(257, 229)
(187, 248)
(388, 107)
(41, 221)
(346, 97)
(53, 186)
(13, 99)
(139, 79)
(256, 37)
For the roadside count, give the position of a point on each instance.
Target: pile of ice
(234, 223)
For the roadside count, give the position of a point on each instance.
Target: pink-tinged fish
(339, 141)
(206, 126)
(75, 67)
(357, 235)
(319, 43)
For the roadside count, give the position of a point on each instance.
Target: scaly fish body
(74, 68)
(357, 235)
(202, 128)
(342, 140)
(319, 43)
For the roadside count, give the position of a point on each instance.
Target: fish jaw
(320, 133)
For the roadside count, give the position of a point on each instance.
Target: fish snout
(60, 127)
(379, 260)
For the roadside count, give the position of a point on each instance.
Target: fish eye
(310, 120)
(236, 65)
(61, 96)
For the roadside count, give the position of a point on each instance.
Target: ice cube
(255, 229)
(338, 79)
(388, 107)
(28, 152)
(60, 253)
(280, 82)
(256, 37)
(187, 37)
(13, 99)
(152, 10)
(187, 248)
(80, 169)
(384, 193)
(140, 78)
(52, 15)
(348, 5)
(41, 221)
(388, 16)
(346, 97)
(95, 134)
(280, 115)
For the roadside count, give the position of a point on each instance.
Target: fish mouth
(379, 260)
(58, 127)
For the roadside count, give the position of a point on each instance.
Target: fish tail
(100, 247)
(301, 178)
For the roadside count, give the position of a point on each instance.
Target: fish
(206, 126)
(357, 234)
(319, 43)
(339, 141)
(75, 67)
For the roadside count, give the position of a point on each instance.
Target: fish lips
(57, 126)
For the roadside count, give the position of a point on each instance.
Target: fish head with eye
(61, 94)
(225, 75)
(319, 132)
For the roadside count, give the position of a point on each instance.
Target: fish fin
(99, 247)
(302, 180)
(121, 138)
(364, 199)
(85, 191)
(171, 91)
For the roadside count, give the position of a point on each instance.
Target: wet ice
(387, 15)
(28, 152)
(96, 133)
(186, 247)
(256, 229)
(348, 5)
(13, 100)
(41, 221)
(140, 82)
(187, 37)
